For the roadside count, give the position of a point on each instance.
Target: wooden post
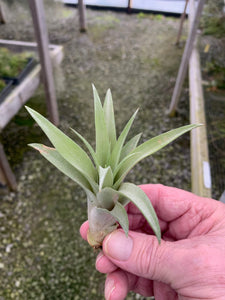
(185, 59)
(2, 16)
(200, 167)
(82, 15)
(37, 11)
(129, 7)
(6, 174)
(181, 23)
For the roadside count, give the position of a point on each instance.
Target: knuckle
(148, 258)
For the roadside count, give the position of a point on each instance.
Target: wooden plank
(6, 174)
(18, 97)
(37, 11)
(185, 59)
(200, 167)
(20, 46)
(26, 88)
(82, 15)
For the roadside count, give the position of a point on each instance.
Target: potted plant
(102, 173)
(15, 66)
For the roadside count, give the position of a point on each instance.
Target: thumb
(143, 256)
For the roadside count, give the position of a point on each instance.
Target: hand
(188, 264)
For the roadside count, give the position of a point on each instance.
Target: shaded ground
(41, 253)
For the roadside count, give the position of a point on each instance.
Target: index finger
(171, 203)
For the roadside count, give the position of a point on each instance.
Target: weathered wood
(129, 7)
(21, 93)
(18, 97)
(200, 167)
(56, 51)
(2, 15)
(185, 59)
(6, 174)
(37, 11)
(82, 15)
(183, 16)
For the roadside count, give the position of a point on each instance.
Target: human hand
(190, 261)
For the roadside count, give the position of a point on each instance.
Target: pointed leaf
(69, 150)
(107, 198)
(130, 146)
(102, 138)
(89, 147)
(120, 214)
(105, 177)
(148, 148)
(119, 144)
(140, 199)
(60, 163)
(110, 118)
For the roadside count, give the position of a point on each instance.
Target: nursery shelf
(21, 93)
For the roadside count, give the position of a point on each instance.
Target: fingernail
(118, 246)
(109, 288)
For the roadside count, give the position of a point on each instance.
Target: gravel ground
(42, 255)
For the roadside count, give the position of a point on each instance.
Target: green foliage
(113, 159)
(143, 15)
(11, 64)
(216, 74)
(213, 19)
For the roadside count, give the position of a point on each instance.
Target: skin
(189, 264)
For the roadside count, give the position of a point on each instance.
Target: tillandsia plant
(101, 174)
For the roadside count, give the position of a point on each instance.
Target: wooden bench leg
(2, 17)
(6, 174)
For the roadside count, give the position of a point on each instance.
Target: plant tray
(7, 89)
(31, 62)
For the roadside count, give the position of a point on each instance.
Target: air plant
(101, 173)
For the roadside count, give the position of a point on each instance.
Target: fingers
(119, 283)
(116, 286)
(163, 291)
(171, 203)
(83, 230)
(104, 265)
(140, 254)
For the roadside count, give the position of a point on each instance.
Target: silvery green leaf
(140, 199)
(107, 197)
(130, 146)
(114, 159)
(148, 148)
(105, 177)
(110, 118)
(101, 132)
(68, 149)
(89, 147)
(60, 163)
(120, 214)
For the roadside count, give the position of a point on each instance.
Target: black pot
(7, 89)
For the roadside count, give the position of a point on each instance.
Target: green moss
(143, 15)
(11, 64)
